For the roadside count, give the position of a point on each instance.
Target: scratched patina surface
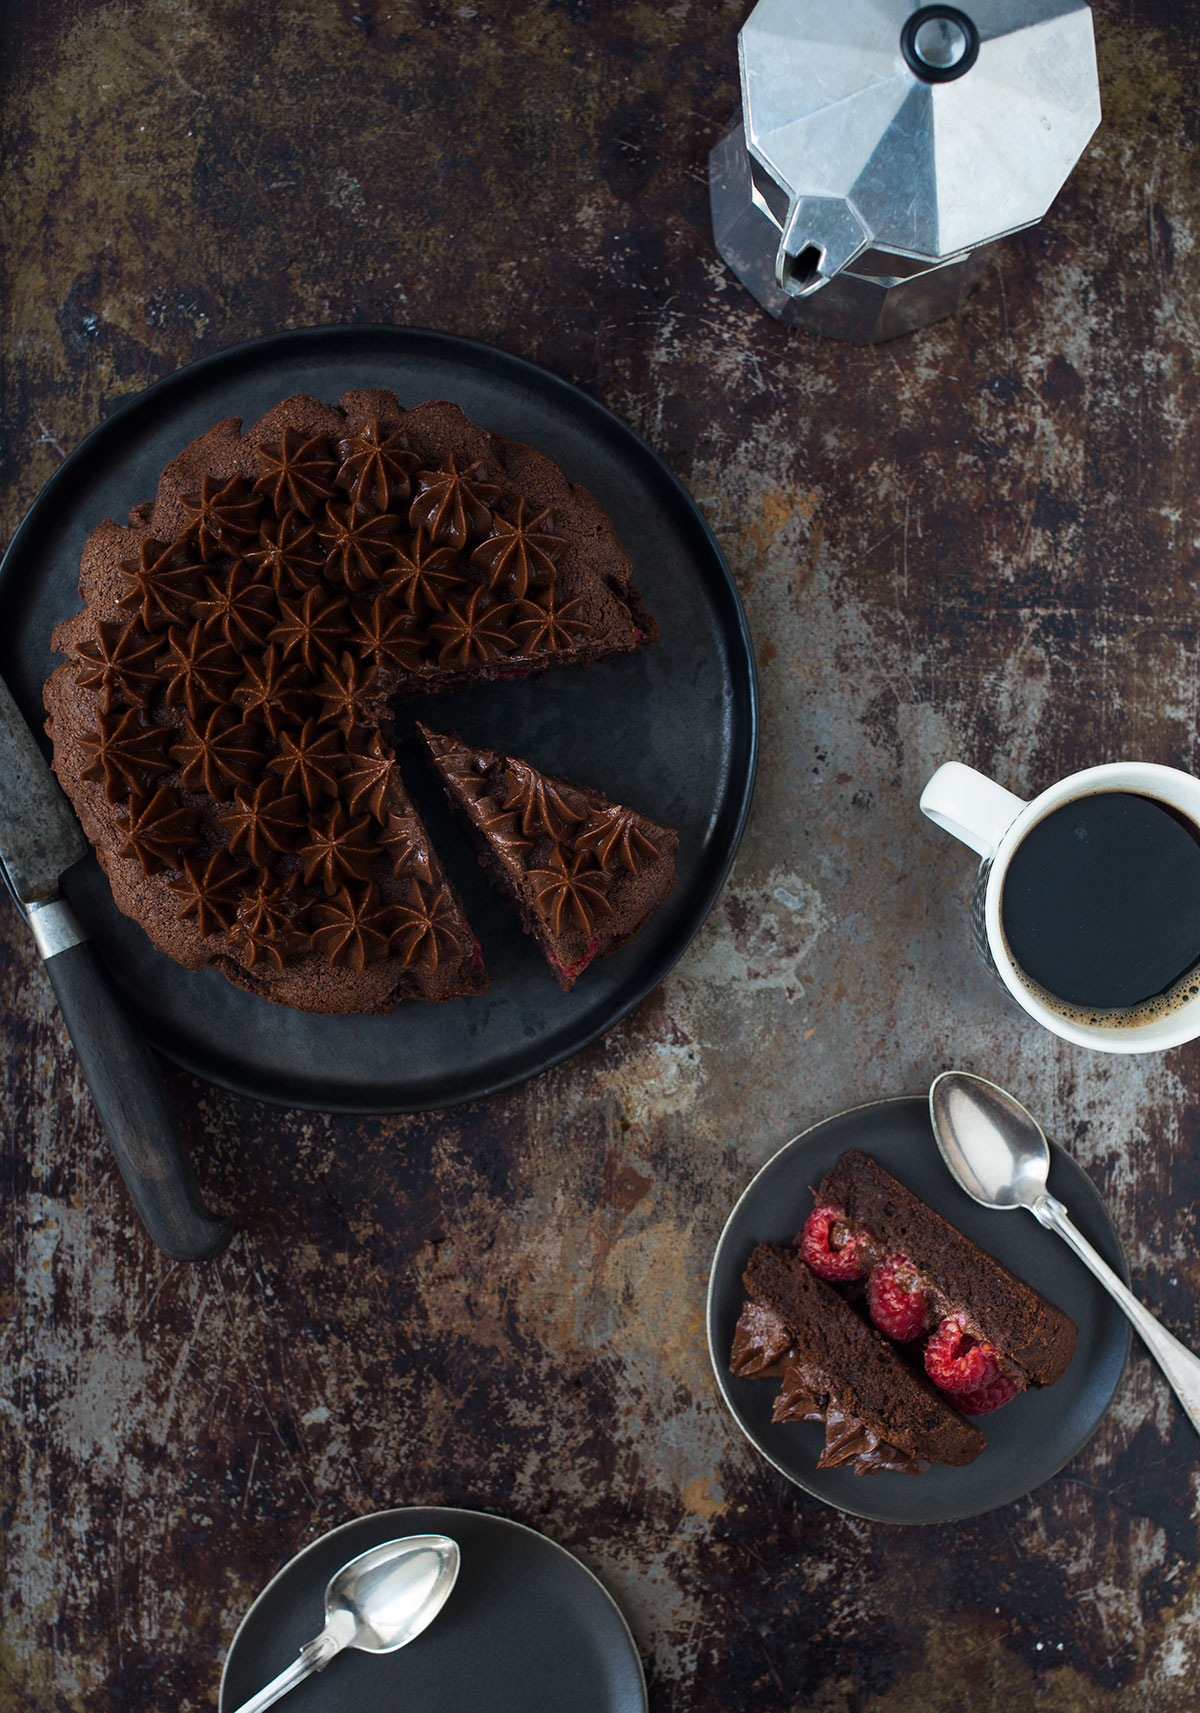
(982, 541)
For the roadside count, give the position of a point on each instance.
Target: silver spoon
(377, 1602)
(1000, 1156)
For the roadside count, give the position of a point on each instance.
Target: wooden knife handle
(127, 1090)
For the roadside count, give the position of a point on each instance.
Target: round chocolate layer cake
(220, 722)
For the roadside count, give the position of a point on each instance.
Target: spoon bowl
(377, 1602)
(994, 1147)
(394, 1591)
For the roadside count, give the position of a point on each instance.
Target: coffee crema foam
(1154, 1010)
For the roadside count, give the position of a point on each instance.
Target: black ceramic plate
(527, 1629)
(672, 731)
(1031, 1437)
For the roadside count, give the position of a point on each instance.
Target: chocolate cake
(584, 874)
(887, 1264)
(837, 1369)
(220, 721)
(1034, 1339)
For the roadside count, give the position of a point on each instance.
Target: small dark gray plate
(1031, 1437)
(527, 1629)
(672, 731)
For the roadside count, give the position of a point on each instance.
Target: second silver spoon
(999, 1154)
(378, 1602)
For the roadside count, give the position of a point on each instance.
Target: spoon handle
(1180, 1365)
(313, 1656)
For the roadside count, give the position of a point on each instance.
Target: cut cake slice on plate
(584, 874)
(873, 1268)
(1034, 1340)
(837, 1369)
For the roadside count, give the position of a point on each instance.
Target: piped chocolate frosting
(219, 720)
(834, 1367)
(560, 852)
(762, 1350)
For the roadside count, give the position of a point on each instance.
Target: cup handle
(970, 806)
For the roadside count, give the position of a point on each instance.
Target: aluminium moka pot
(881, 148)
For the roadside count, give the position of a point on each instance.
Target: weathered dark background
(982, 541)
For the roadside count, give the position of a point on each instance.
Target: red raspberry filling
(957, 1362)
(986, 1398)
(836, 1262)
(572, 971)
(897, 1303)
(965, 1367)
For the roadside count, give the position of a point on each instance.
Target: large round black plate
(527, 1629)
(672, 731)
(1031, 1437)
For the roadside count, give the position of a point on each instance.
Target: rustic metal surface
(978, 542)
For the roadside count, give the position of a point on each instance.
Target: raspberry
(957, 1362)
(818, 1251)
(897, 1304)
(986, 1398)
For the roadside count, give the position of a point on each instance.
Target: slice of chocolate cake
(875, 1267)
(218, 723)
(585, 874)
(963, 1287)
(835, 1368)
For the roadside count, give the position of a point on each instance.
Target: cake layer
(1009, 1314)
(856, 1369)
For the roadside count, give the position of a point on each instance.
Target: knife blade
(39, 835)
(40, 839)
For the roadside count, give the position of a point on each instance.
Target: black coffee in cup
(1101, 907)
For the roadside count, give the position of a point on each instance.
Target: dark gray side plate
(1028, 1440)
(527, 1629)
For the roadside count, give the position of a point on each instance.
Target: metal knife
(39, 839)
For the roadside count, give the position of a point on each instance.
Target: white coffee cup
(993, 822)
